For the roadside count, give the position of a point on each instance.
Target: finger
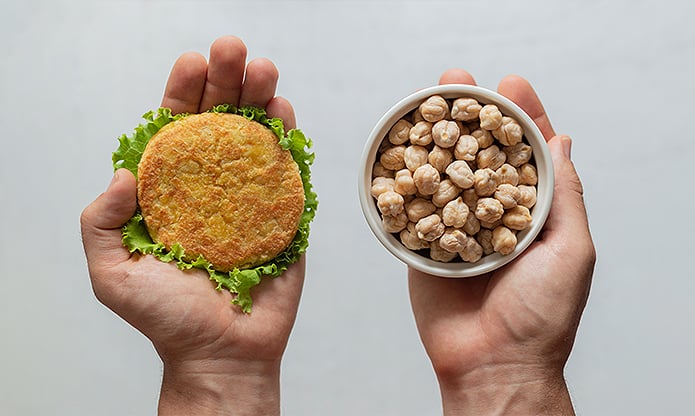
(456, 76)
(521, 92)
(102, 220)
(184, 88)
(225, 73)
(260, 83)
(282, 109)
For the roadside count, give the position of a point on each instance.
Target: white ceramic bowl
(541, 157)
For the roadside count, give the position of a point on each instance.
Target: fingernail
(567, 146)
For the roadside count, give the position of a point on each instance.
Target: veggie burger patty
(220, 186)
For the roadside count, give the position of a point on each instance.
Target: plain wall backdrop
(615, 75)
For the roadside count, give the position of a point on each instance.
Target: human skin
(217, 360)
(499, 342)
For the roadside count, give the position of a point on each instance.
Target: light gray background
(615, 75)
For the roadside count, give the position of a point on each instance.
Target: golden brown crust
(221, 186)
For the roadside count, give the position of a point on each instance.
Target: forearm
(255, 390)
(506, 391)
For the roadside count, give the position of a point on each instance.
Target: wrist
(220, 388)
(506, 390)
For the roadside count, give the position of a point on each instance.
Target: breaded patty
(222, 187)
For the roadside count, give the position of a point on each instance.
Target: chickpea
(453, 240)
(392, 158)
(484, 137)
(489, 210)
(508, 195)
(410, 239)
(484, 225)
(446, 192)
(527, 174)
(445, 133)
(466, 148)
(400, 132)
(509, 132)
(382, 184)
(460, 174)
(437, 253)
(434, 108)
(491, 157)
(419, 208)
(508, 174)
(463, 128)
(518, 218)
(426, 179)
(455, 213)
(527, 196)
(503, 240)
(518, 154)
(430, 228)
(380, 170)
(484, 238)
(440, 158)
(490, 117)
(404, 183)
(470, 198)
(472, 252)
(485, 181)
(390, 203)
(395, 223)
(472, 225)
(421, 133)
(416, 117)
(415, 156)
(465, 109)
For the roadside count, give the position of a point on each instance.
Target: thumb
(102, 220)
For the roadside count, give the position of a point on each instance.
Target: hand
(499, 342)
(216, 358)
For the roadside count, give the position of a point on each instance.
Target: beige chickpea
(490, 225)
(463, 128)
(415, 156)
(508, 195)
(490, 117)
(419, 208)
(503, 240)
(472, 251)
(465, 109)
(453, 240)
(421, 133)
(484, 138)
(445, 133)
(438, 253)
(508, 174)
(466, 148)
(455, 213)
(440, 158)
(410, 239)
(426, 179)
(518, 154)
(509, 132)
(395, 223)
(400, 132)
(382, 184)
(380, 170)
(390, 203)
(472, 225)
(416, 116)
(447, 191)
(518, 218)
(430, 228)
(460, 174)
(527, 174)
(392, 158)
(470, 198)
(484, 238)
(491, 157)
(489, 210)
(485, 181)
(434, 108)
(527, 196)
(404, 183)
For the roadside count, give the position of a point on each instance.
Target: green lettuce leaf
(238, 281)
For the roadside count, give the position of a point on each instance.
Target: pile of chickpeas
(455, 181)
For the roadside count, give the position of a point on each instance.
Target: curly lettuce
(238, 281)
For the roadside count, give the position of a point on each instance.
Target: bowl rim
(544, 188)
